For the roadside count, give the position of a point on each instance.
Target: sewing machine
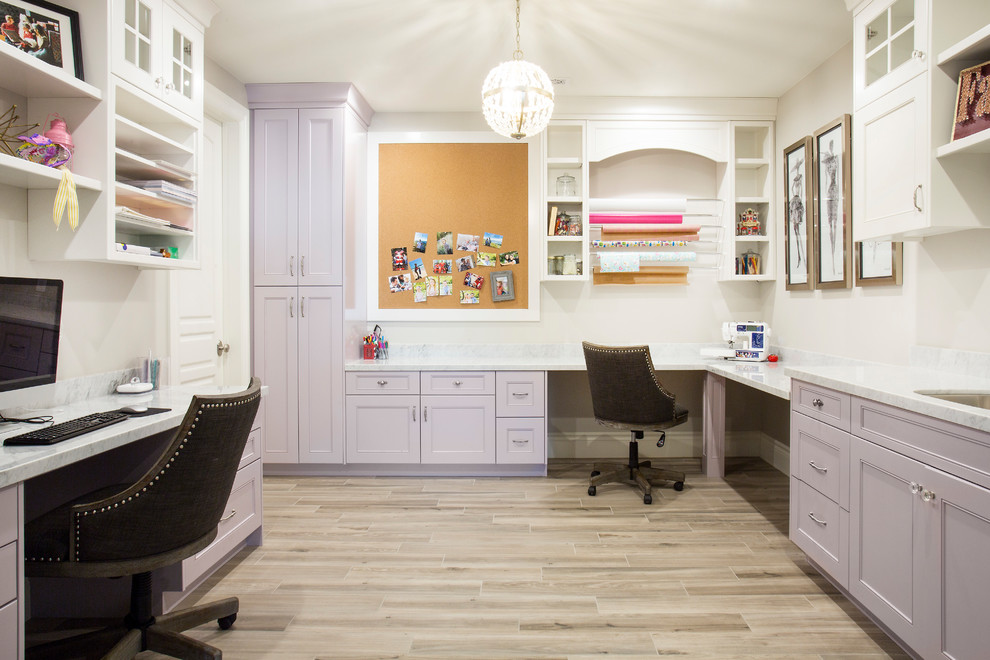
(748, 340)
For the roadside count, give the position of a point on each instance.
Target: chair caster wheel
(647, 499)
(592, 490)
(678, 485)
(227, 621)
(595, 473)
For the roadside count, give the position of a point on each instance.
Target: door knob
(222, 347)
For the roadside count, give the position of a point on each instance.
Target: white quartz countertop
(20, 463)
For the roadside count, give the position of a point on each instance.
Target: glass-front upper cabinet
(890, 46)
(159, 51)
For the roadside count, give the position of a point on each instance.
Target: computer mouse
(134, 409)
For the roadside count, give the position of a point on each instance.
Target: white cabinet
(566, 193)
(298, 196)
(160, 51)
(298, 355)
(890, 46)
(749, 249)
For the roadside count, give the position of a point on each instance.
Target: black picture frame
(58, 25)
(799, 235)
(503, 287)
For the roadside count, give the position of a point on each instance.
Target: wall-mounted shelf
(565, 154)
(21, 173)
(752, 189)
(969, 51)
(27, 76)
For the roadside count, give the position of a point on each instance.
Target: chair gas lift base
(640, 473)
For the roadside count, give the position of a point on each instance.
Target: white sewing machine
(748, 340)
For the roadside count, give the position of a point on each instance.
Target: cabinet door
(136, 47)
(275, 183)
(276, 353)
(321, 207)
(382, 428)
(182, 63)
(891, 163)
(892, 542)
(321, 375)
(889, 46)
(458, 429)
(963, 538)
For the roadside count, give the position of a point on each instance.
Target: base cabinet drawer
(520, 394)
(822, 404)
(820, 457)
(8, 632)
(820, 527)
(8, 573)
(520, 440)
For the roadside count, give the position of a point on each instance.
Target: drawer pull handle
(927, 496)
(233, 512)
(520, 395)
(818, 403)
(292, 268)
(917, 193)
(820, 522)
(414, 413)
(821, 469)
(382, 383)
(425, 412)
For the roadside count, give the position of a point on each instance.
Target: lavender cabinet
(458, 429)
(11, 579)
(382, 428)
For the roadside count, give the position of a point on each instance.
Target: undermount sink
(976, 399)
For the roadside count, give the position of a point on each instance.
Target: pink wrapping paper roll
(635, 218)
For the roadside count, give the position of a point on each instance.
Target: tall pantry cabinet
(308, 144)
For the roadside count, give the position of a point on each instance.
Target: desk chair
(626, 394)
(170, 513)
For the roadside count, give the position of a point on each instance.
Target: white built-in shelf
(564, 239)
(135, 197)
(28, 76)
(752, 163)
(564, 200)
(975, 47)
(977, 143)
(565, 162)
(145, 261)
(21, 173)
(135, 138)
(132, 166)
(137, 226)
(752, 200)
(752, 239)
(752, 278)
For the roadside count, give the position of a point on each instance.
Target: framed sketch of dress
(799, 215)
(833, 206)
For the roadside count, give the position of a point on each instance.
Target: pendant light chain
(517, 54)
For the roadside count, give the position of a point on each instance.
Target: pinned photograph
(507, 258)
(432, 285)
(493, 240)
(419, 292)
(470, 297)
(474, 281)
(419, 241)
(400, 259)
(467, 242)
(445, 242)
(446, 285)
(465, 263)
(416, 266)
(399, 283)
(503, 287)
(487, 259)
(442, 266)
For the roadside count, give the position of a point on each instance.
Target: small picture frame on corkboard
(502, 286)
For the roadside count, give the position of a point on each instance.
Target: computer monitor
(30, 317)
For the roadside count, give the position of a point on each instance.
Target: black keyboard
(65, 430)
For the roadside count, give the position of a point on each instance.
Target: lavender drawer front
(458, 382)
(252, 449)
(821, 403)
(8, 632)
(820, 457)
(8, 515)
(520, 394)
(520, 440)
(382, 382)
(8, 573)
(959, 450)
(241, 517)
(821, 529)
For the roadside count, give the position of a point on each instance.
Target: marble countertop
(20, 463)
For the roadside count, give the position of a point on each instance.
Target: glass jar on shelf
(566, 185)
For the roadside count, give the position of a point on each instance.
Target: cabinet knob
(222, 347)
(823, 523)
(918, 54)
(821, 469)
(457, 383)
(158, 82)
(927, 496)
(818, 403)
(915, 488)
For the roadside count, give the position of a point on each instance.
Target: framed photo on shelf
(879, 263)
(972, 101)
(502, 286)
(799, 220)
(833, 205)
(44, 30)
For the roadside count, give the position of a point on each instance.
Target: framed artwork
(44, 30)
(879, 263)
(502, 286)
(972, 101)
(833, 206)
(798, 234)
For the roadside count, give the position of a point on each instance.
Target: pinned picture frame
(833, 257)
(503, 287)
(798, 216)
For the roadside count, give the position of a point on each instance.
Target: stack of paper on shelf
(166, 189)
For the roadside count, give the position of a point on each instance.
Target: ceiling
(432, 55)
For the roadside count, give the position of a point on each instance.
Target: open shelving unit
(564, 146)
(752, 188)
(970, 51)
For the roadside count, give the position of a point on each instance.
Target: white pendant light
(517, 97)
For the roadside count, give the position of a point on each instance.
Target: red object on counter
(771, 358)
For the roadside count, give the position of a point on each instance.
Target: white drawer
(8, 573)
(8, 632)
(383, 382)
(820, 528)
(520, 394)
(457, 382)
(821, 403)
(520, 440)
(820, 457)
(8, 514)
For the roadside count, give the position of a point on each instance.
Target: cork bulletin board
(468, 189)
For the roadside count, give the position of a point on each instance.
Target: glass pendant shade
(517, 99)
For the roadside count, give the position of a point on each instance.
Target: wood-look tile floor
(533, 568)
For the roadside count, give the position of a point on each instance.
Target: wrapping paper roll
(646, 205)
(650, 229)
(635, 218)
(629, 262)
(637, 243)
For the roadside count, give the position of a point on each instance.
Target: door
(199, 350)
(136, 44)
(458, 429)
(275, 177)
(182, 58)
(321, 209)
(891, 37)
(321, 375)
(892, 542)
(276, 350)
(382, 428)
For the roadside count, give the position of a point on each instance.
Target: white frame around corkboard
(376, 252)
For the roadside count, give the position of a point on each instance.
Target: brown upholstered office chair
(169, 514)
(626, 394)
